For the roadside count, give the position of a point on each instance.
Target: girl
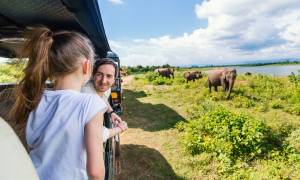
(63, 126)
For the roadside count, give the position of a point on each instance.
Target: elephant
(192, 75)
(248, 73)
(222, 77)
(165, 72)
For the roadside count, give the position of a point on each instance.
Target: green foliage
(155, 79)
(293, 141)
(295, 79)
(142, 69)
(151, 76)
(198, 110)
(277, 104)
(166, 66)
(10, 72)
(228, 135)
(293, 109)
(243, 102)
(139, 69)
(231, 144)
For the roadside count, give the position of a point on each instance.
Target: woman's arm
(94, 148)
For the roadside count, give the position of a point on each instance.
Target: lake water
(278, 70)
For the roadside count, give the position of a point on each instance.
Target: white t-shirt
(55, 133)
(89, 88)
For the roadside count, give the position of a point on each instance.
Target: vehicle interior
(20, 16)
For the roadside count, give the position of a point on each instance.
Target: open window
(18, 16)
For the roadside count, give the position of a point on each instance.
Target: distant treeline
(142, 69)
(252, 64)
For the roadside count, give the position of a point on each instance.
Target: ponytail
(30, 88)
(50, 56)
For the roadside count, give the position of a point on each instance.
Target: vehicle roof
(83, 16)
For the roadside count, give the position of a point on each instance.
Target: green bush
(230, 136)
(10, 72)
(277, 104)
(242, 102)
(162, 81)
(294, 140)
(293, 109)
(151, 76)
(180, 81)
(155, 79)
(295, 79)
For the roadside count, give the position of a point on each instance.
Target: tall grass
(10, 72)
(253, 135)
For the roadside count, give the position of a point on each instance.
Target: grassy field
(181, 131)
(164, 116)
(10, 72)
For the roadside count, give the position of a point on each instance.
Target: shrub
(293, 109)
(162, 81)
(151, 76)
(228, 135)
(242, 102)
(277, 104)
(180, 81)
(295, 79)
(251, 84)
(155, 79)
(180, 126)
(10, 72)
(294, 140)
(200, 109)
(262, 107)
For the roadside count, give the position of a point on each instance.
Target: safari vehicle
(18, 16)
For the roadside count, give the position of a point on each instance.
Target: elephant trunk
(223, 84)
(231, 83)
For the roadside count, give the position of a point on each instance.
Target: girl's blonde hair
(50, 55)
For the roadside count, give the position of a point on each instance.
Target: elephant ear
(231, 74)
(224, 75)
(228, 75)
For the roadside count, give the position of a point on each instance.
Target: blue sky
(198, 32)
(134, 19)
(201, 32)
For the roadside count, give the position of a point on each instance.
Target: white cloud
(117, 2)
(237, 31)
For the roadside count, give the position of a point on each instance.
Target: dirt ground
(143, 144)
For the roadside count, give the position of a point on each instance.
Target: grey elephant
(222, 77)
(165, 72)
(192, 75)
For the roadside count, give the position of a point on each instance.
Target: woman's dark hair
(104, 61)
(50, 55)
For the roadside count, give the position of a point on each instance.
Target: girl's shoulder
(92, 99)
(73, 96)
